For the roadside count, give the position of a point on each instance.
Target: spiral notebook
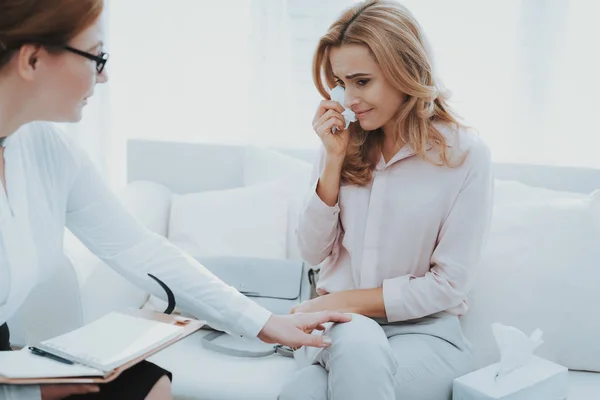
(101, 349)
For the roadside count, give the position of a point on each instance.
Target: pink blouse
(416, 229)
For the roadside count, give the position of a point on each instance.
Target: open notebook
(96, 349)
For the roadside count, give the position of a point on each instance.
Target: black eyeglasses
(99, 59)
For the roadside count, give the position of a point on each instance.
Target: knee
(359, 344)
(363, 358)
(359, 329)
(361, 337)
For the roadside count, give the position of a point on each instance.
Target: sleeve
(25, 392)
(319, 227)
(100, 221)
(459, 246)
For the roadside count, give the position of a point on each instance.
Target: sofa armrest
(100, 289)
(53, 307)
(84, 288)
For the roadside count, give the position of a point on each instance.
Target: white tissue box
(538, 380)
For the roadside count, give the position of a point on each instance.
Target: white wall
(239, 71)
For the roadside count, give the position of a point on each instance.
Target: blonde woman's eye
(362, 82)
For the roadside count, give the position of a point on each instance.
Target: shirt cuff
(394, 299)
(317, 207)
(252, 320)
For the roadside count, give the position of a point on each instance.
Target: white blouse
(52, 183)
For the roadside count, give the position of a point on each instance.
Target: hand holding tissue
(337, 94)
(520, 375)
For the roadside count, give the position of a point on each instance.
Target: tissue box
(539, 379)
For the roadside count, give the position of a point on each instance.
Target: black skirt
(4, 338)
(134, 383)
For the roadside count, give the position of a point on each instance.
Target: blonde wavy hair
(397, 44)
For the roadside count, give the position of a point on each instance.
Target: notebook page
(24, 364)
(112, 340)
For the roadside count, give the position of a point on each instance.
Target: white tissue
(516, 349)
(337, 94)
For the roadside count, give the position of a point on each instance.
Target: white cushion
(149, 202)
(513, 192)
(262, 166)
(240, 222)
(540, 270)
(199, 373)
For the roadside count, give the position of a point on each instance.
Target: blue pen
(42, 353)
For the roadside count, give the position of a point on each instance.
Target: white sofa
(530, 276)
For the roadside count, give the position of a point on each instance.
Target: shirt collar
(408, 151)
(405, 152)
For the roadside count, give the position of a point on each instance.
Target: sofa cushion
(540, 270)
(242, 222)
(262, 166)
(517, 193)
(199, 373)
(150, 203)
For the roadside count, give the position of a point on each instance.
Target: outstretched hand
(294, 330)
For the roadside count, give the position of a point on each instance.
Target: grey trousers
(415, 360)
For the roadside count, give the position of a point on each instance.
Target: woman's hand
(328, 116)
(367, 302)
(294, 330)
(337, 301)
(58, 392)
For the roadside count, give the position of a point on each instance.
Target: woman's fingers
(325, 106)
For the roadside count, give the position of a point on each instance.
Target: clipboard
(189, 326)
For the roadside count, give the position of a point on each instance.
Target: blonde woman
(51, 58)
(397, 216)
